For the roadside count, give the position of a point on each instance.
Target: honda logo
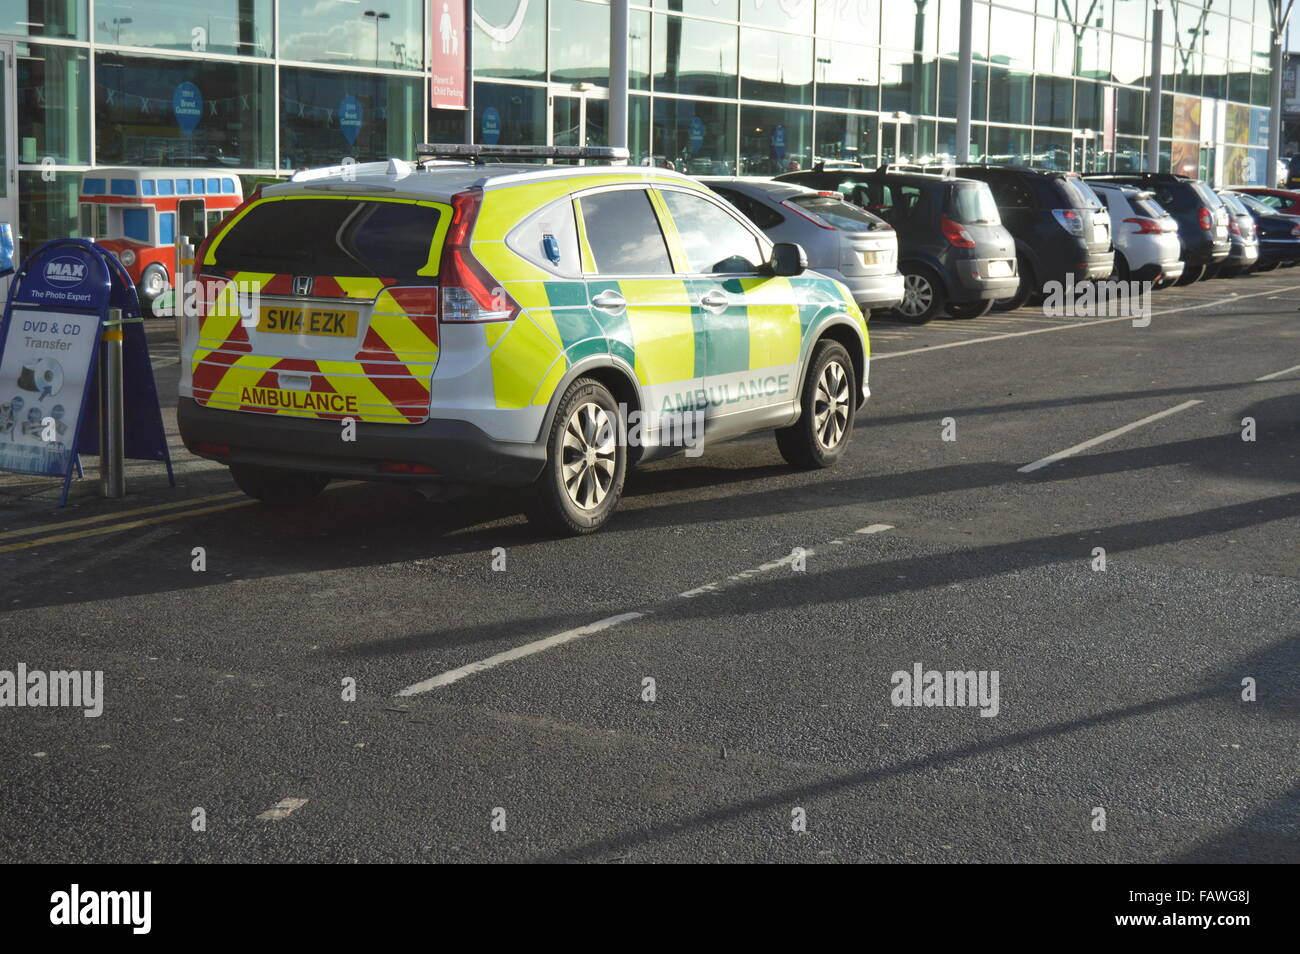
(302, 284)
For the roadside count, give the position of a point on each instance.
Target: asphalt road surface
(506, 715)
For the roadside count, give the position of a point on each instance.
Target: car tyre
(278, 488)
(923, 297)
(586, 462)
(1190, 275)
(1121, 272)
(969, 309)
(829, 401)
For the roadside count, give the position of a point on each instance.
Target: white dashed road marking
(282, 809)
(1278, 374)
(569, 635)
(1102, 438)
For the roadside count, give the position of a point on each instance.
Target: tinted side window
(623, 233)
(714, 241)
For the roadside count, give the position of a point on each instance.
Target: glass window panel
(224, 26)
(1054, 50)
(848, 76)
(1129, 64)
(949, 29)
(1052, 150)
(48, 210)
(1010, 96)
(64, 19)
(510, 39)
(1130, 111)
(847, 136)
(776, 66)
(1087, 105)
(326, 116)
(169, 112)
(53, 107)
(914, 26)
(1053, 102)
(774, 140)
(638, 129)
(694, 57)
(1008, 146)
(579, 35)
(858, 20)
(718, 9)
(695, 136)
(795, 16)
(517, 114)
(1130, 154)
(1011, 38)
(638, 50)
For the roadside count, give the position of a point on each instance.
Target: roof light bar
(478, 151)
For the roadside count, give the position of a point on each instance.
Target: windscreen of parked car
(1148, 206)
(353, 237)
(835, 211)
(1207, 195)
(1254, 205)
(971, 203)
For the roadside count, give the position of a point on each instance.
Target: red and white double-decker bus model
(139, 213)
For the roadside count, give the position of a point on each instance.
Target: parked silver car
(842, 241)
(1245, 243)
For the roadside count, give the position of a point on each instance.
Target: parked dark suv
(953, 251)
(1061, 228)
(1201, 215)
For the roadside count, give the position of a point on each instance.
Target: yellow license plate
(309, 320)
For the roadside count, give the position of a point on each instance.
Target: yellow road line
(116, 527)
(29, 531)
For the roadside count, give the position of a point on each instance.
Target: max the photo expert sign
(47, 357)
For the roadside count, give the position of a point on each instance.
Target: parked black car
(1061, 228)
(953, 251)
(1201, 215)
(1279, 234)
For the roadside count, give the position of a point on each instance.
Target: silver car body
(843, 242)
(1245, 243)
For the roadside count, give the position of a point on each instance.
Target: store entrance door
(8, 149)
(579, 117)
(896, 143)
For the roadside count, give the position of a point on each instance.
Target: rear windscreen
(1206, 194)
(1148, 207)
(354, 237)
(971, 203)
(835, 211)
(1071, 193)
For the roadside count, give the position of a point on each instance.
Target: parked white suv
(1147, 247)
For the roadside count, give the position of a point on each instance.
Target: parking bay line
(100, 518)
(609, 622)
(1102, 438)
(117, 527)
(1278, 374)
(1067, 325)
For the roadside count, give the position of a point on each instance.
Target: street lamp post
(377, 16)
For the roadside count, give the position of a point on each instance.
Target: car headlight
(127, 257)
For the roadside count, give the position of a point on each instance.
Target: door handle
(715, 301)
(609, 300)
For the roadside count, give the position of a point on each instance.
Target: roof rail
(901, 167)
(477, 152)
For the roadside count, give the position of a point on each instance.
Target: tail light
(1295, 231)
(814, 219)
(468, 292)
(1069, 220)
(1233, 227)
(956, 233)
(1206, 219)
(1145, 226)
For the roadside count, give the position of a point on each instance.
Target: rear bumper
(457, 450)
(1205, 253)
(1279, 249)
(1243, 255)
(971, 282)
(873, 291)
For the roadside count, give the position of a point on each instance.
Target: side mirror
(788, 259)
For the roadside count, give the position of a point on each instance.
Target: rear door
(747, 319)
(322, 307)
(639, 310)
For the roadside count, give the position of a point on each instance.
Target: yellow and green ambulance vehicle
(536, 326)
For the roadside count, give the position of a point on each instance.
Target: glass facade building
(716, 86)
